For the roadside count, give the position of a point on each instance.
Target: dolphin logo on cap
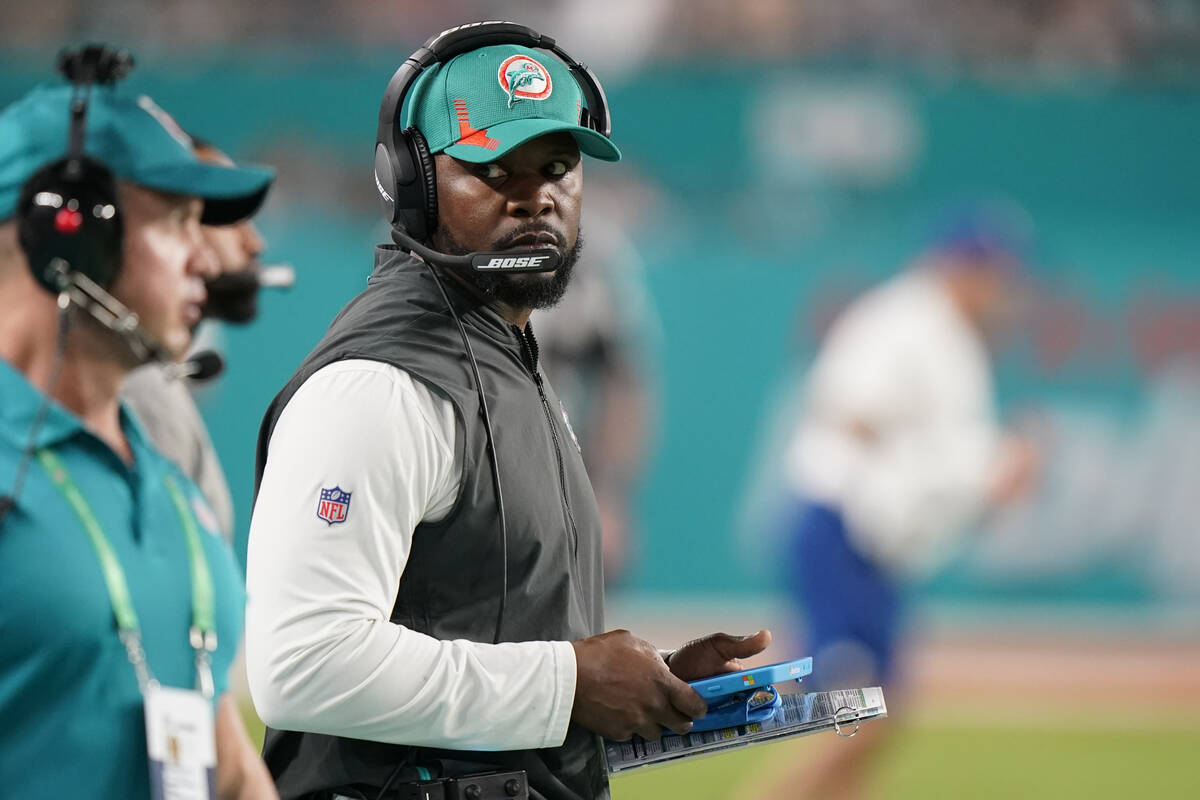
(523, 78)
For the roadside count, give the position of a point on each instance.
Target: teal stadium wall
(767, 220)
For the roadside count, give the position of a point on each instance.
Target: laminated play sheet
(840, 711)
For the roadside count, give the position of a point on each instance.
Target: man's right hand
(624, 687)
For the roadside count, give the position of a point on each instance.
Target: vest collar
(391, 260)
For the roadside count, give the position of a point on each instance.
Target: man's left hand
(716, 654)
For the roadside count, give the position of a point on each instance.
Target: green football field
(933, 760)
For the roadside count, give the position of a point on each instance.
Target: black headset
(68, 217)
(69, 226)
(69, 220)
(404, 167)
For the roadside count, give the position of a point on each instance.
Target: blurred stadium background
(779, 157)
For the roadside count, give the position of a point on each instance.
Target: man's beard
(521, 290)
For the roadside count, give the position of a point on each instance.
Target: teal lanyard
(203, 632)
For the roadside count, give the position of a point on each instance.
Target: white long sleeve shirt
(321, 653)
(899, 429)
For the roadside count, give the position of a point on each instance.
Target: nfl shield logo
(334, 505)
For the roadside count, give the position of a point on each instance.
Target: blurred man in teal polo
(117, 590)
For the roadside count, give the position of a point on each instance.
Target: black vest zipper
(531, 364)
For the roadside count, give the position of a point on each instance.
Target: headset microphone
(110, 312)
(544, 259)
(203, 366)
(275, 276)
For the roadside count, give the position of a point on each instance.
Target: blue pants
(852, 606)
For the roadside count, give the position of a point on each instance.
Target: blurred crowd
(1048, 34)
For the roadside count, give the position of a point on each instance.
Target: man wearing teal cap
(474, 110)
(426, 596)
(136, 139)
(123, 609)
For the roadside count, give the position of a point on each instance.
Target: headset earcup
(428, 178)
(385, 180)
(68, 211)
(416, 186)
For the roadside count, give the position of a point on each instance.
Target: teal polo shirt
(71, 721)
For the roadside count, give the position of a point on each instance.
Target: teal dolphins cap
(481, 104)
(135, 139)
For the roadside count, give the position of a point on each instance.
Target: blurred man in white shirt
(897, 451)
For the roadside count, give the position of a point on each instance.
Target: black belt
(486, 786)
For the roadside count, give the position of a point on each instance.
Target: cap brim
(230, 194)
(519, 131)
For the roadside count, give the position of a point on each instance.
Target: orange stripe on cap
(467, 134)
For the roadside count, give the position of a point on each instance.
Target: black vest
(452, 582)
